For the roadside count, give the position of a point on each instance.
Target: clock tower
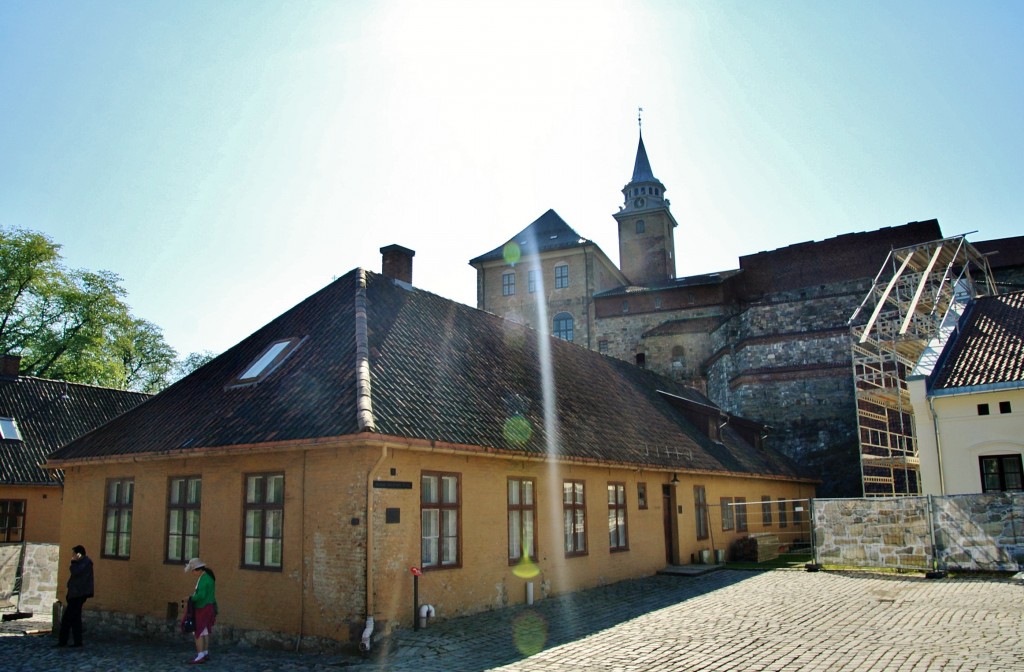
(646, 237)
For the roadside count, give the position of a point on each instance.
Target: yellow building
(969, 414)
(375, 428)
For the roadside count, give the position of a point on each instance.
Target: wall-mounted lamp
(675, 480)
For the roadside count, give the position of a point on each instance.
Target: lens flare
(517, 430)
(530, 633)
(512, 253)
(526, 568)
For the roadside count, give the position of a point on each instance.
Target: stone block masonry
(980, 532)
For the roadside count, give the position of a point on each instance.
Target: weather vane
(639, 118)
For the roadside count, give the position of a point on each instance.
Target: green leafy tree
(192, 362)
(72, 324)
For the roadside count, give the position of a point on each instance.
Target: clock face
(638, 203)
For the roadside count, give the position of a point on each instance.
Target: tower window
(508, 284)
(640, 226)
(561, 276)
(562, 327)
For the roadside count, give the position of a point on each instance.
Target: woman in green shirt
(205, 601)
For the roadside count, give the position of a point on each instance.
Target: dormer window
(268, 361)
(9, 430)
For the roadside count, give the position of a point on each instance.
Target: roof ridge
(364, 403)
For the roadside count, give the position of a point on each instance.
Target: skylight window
(271, 358)
(9, 429)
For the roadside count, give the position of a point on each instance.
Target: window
(982, 409)
(1001, 473)
(766, 510)
(562, 327)
(531, 281)
(9, 429)
(264, 521)
(783, 522)
(183, 499)
(617, 537)
(625, 306)
(508, 284)
(641, 360)
(268, 361)
(561, 276)
(602, 347)
(117, 513)
(574, 514)
(522, 516)
(741, 514)
(12, 520)
(798, 516)
(639, 226)
(727, 511)
(700, 511)
(1004, 407)
(641, 495)
(439, 520)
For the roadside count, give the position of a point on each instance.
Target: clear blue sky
(228, 158)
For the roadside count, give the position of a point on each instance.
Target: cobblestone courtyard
(723, 621)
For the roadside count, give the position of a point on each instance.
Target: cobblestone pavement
(724, 621)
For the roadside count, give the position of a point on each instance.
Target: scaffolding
(914, 304)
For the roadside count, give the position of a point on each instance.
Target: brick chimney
(397, 263)
(10, 366)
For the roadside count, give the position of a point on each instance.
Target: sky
(229, 158)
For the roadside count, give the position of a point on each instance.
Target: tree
(192, 362)
(74, 324)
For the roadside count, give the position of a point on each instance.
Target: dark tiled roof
(50, 413)
(438, 370)
(548, 232)
(989, 348)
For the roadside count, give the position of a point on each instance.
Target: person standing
(80, 587)
(204, 599)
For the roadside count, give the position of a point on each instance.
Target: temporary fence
(755, 531)
(963, 532)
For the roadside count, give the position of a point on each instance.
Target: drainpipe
(364, 642)
(426, 611)
(938, 445)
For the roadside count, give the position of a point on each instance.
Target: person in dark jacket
(79, 590)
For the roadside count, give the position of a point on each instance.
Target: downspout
(938, 445)
(302, 565)
(587, 299)
(364, 419)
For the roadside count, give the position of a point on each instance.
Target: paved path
(724, 621)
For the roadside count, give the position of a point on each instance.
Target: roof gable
(547, 232)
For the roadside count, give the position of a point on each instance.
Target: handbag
(188, 622)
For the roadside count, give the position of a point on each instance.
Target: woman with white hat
(204, 600)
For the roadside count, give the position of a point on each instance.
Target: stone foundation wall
(982, 532)
(169, 630)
